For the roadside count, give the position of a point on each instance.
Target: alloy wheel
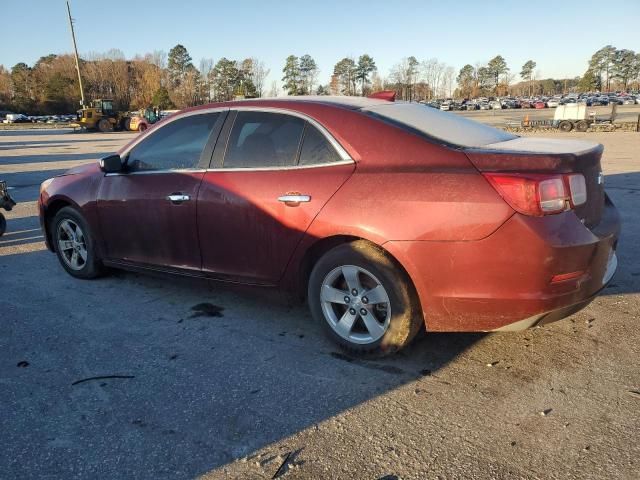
(355, 304)
(72, 245)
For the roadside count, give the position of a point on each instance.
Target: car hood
(86, 168)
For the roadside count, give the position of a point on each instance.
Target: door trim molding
(156, 172)
(291, 167)
(198, 274)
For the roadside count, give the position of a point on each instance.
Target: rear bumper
(560, 313)
(504, 282)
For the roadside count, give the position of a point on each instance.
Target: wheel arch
(53, 207)
(323, 245)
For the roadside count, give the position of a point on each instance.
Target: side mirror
(111, 164)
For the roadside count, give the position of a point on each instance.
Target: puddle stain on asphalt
(207, 310)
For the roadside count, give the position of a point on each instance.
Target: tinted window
(261, 139)
(316, 148)
(176, 145)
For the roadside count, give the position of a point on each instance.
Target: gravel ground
(246, 386)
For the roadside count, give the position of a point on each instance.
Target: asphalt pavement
(131, 376)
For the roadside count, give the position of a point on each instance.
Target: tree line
(173, 81)
(156, 79)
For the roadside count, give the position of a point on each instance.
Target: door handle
(178, 198)
(294, 198)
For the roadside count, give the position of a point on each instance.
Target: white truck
(577, 116)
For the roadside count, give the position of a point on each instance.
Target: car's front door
(277, 173)
(148, 211)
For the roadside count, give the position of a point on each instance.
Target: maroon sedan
(390, 217)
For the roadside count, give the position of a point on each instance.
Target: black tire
(92, 267)
(3, 224)
(406, 318)
(582, 126)
(104, 125)
(565, 126)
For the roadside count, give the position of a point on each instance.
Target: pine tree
(292, 75)
(308, 72)
(366, 66)
(527, 73)
(497, 66)
(179, 64)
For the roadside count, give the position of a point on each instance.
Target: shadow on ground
(132, 375)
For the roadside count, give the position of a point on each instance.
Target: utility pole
(75, 49)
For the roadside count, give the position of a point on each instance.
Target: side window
(263, 139)
(175, 145)
(316, 149)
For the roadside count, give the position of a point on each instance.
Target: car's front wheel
(364, 301)
(74, 244)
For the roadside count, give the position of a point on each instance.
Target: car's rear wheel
(3, 224)
(364, 301)
(74, 244)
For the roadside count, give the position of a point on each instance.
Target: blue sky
(455, 32)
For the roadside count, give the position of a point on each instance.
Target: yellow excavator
(99, 115)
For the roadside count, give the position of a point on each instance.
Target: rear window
(316, 149)
(446, 127)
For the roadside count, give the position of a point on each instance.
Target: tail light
(540, 194)
(578, 189)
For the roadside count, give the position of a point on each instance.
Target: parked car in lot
(485, 106)
(16, 118)
(495, 105)
(540, 104)
(389, 217)
(629, 100)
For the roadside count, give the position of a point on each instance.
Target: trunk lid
(549, 155)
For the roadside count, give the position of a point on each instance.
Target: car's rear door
(272, 173)
(148, 212)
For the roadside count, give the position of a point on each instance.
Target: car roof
(353, 103)
(456, 131)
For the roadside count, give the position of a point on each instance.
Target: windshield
(446, 127)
